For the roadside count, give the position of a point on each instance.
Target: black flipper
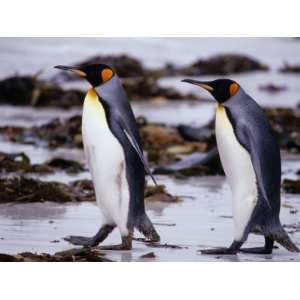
(130, 136)
(113, 94)
(99, 237)
(255, 134)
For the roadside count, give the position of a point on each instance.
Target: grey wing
(256, 136)
(130, 137)
(113, 94)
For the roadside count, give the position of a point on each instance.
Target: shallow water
(26, 116)
(201, 220)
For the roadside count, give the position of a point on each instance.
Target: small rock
(291, 186)
(7, 258)
(28, 90)
(223, 64)
(148, 255)
(287, 68)
(26, 190)
(272, 88)
(70, 166)
(167, 246)
(72, 255)
(158, 193)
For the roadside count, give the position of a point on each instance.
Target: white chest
(238, 168)
(106, 161)
(101, 146)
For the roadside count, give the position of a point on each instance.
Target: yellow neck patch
(92, 95)
(93, 108)
(221, 117)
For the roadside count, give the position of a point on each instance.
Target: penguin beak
(204, 84)
(72, 69)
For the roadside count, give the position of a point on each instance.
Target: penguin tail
(145, 226)
(281, 237)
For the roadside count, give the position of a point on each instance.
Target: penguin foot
(146, 227)
(99, 237)
(126, 244)
(81, 241)
(153, 236)
(219, 251)
(256, 250)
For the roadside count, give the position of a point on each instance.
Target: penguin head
(95, 74)
(221, 89)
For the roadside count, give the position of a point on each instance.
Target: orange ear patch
(234, 87)
(106, 74)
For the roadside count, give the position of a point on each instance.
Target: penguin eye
(106, 74)
(234, 87)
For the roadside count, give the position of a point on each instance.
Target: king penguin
(251, 160)
(115, 158)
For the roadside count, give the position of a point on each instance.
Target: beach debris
(20, 163)
(221, 64)
(84, 254)
(148, 88)
(22, 189)
(288, 68)
(272, 88)
(163, 144)
(148, 255)
(164, 224)
(225, 64)
(291, 186)
(196, 164)
(70, 166)
(286, 123)
(204, 134)
(159, 193)
(131, 67)
(165, 245)
(29, 90)
(53, 134)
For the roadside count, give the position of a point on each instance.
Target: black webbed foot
(100, 236)
(81, 241)
(256, 250)
(267, 249)
(220, 251)
(146, 227)
(232, 250)
(125, 245)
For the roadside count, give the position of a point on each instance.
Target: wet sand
(201, 220)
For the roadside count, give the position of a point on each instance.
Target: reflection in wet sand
(197, 223)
